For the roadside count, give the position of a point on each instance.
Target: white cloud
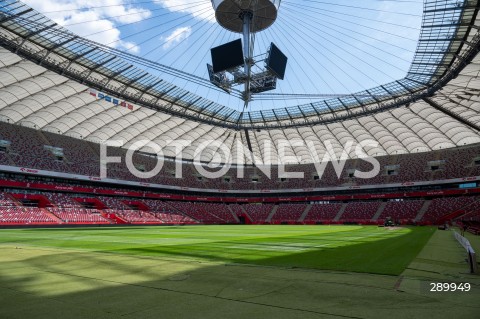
(88, 17)
(177, 36)
(202, 10)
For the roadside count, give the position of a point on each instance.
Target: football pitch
(231, 272)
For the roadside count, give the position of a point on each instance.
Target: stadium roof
(49, 76)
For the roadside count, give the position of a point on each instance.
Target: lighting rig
(233, 63)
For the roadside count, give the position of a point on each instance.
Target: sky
(333, 46)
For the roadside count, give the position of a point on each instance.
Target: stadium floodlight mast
(246, 17)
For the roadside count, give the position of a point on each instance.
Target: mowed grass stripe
(346, 248)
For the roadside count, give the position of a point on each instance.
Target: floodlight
(276, 62)
(227, 56)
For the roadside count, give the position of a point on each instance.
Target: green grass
(211, 272)
(344, 248)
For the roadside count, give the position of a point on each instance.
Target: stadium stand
(6, 201)
(322, 213)
(135, 217)
(360, 211)
(203, 212)
(174, 218)
(221, 211)
(79, 216)
(288, 213)
(25, 207)
(237, 209)
(258, 212)
(25, 216)
(443, 206)
(402, 211)
(81, 158)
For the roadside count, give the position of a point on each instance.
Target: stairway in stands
(233, 214)
(379, 212)
(52, 216)
(305, 213)
(423, 210)
(274, 210)
(246, 213)
(340, 212)
(113, 217)
(176, 210)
